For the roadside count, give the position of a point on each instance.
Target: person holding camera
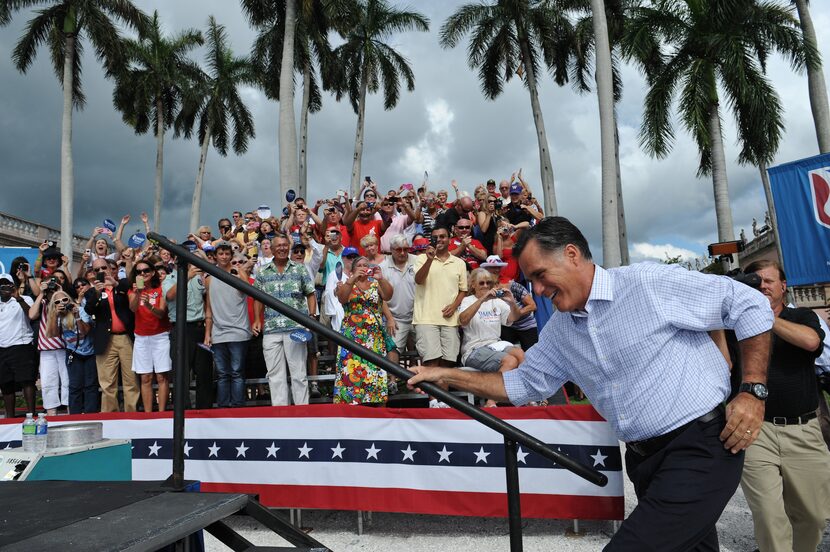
(786, 477)
(361, 221)
(112, 334)
(464, 246)
(363, 296)
(482, 315)
(151, 351)
(54, 379)
(17, 359)
(72, 324)
(440, 286)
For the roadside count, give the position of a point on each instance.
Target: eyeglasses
(399, 249)
(224, 228)
(504, 188)
(79, 285)
(101, 269)
(145, 270)
(463, 227)
(237, 262)
(204, 231)
(488, 284)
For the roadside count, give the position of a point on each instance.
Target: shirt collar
(602, 289)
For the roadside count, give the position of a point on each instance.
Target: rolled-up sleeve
(538, 377)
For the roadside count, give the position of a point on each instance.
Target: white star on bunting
(241, 450)
(599, 458)
(154, 449)
(337, 452)
(481, 456)
(305, 450)
(214, 450)
(187, 448)
(372, 452)
(409, 453)
(521, 455)
(272, 450)
(444, 455)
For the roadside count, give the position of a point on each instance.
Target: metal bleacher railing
(512, 435)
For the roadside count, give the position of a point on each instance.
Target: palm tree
(151, 86)
(365, 62)
(711, 44)
(582, 64)
(506, 35)
(815, 77)
(215, 101)
(311, 49)
(62, 25)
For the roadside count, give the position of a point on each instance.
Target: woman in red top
(151, 351)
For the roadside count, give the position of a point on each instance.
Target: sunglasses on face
(101, 269)
(145, 270)
(204, 231)
(237, 262)
(63, 301)
(80, 285)
(224, 228)
(463, 227)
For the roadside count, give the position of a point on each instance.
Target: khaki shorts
(405, 329)
(435, 342)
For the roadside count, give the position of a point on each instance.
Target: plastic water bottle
(29, 431)
(40, 433)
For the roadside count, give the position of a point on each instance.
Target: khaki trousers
(119, 353)
(786, 482)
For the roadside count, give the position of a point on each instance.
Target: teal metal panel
(100, 464)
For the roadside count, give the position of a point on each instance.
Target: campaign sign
(301, 335)
(109, 225)
(290, 196)
(801, 193)
(190, 245)
(8, 254)
(264, 212)
(137, 240)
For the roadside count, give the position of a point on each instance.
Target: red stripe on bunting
(426, 502)
(580, 413)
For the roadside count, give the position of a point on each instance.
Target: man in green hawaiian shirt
(283, 340)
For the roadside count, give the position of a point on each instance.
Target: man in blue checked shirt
(637, 340)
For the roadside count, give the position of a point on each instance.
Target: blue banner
(8, 254)
(801, 192)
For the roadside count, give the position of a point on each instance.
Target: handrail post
(514, 508)
(181, 376)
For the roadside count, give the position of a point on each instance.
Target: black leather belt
(790, 420)
(647, 447)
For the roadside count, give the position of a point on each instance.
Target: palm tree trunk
(196, 208)
(288, 128)
(762, 167)
(302, 185)
(67, 168)
(815, 80)
(546, 169)
(159, 162)
(723, 211)
(625, 259)
(605, 95)
(358, 139)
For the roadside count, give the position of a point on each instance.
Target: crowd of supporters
(407, 269)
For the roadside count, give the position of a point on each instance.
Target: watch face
(760, 390)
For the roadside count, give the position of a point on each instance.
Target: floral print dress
(359, 381)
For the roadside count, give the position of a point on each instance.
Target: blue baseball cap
(350, 251)
(516, 188)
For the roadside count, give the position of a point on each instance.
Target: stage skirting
(430, 461)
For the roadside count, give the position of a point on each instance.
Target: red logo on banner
(820, 188)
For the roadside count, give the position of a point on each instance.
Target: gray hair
(399, 240)
(355, 261)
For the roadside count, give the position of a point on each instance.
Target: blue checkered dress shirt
(640, 350)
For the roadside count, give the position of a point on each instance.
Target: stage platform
(129, 515)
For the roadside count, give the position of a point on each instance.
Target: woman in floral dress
(363, 295)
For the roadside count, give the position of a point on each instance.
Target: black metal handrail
(512, 435)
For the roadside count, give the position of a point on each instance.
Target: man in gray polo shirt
(399, 270)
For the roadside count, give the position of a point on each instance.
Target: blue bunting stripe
(606, 458)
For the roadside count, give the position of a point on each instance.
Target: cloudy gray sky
(445, 127)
